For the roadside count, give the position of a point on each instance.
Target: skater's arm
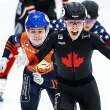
(101, 31)
(100, 45)
(48, 45)
(27, 8)
(8, 57)
(11, 47)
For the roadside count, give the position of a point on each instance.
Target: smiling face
(37, 36)
(74, 28)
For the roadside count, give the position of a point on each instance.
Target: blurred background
(101, 64)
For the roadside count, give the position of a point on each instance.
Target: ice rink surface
(101, 65)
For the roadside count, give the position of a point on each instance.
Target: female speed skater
(37, 28)
(73, 51)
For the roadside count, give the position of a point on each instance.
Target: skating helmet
(37, 19)
(92, 8)
(74, 11)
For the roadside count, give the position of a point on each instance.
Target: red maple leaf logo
(72, 60)
(77, 61)
(67, 60)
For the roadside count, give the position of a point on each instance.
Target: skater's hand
(37, 78)
(3, 64)
(44, 67)
(21, 58)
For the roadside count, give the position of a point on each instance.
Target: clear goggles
(74, 22)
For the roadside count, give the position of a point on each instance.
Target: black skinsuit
(73, 59)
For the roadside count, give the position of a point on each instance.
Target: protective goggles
(74, 22)
(90, 20)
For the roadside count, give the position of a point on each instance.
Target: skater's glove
(3, 64)
(37, 78)
(44, 67)
(21, 58)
